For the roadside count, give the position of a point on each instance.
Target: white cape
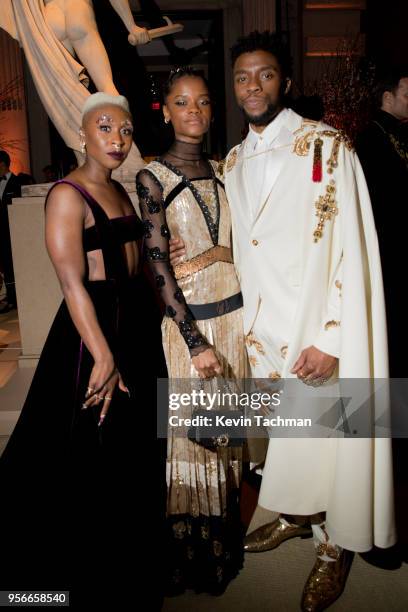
(354, 485)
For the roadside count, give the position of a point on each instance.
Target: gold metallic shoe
(327, 579)
(269, 536)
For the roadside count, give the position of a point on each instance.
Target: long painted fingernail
(84, 406)
(101, 419)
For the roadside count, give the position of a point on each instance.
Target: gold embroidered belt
(202, 261)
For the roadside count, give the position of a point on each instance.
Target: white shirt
(254, 165)
(3, 184)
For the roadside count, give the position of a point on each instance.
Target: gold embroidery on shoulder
(306, 124)
(221, 167)
(348, 143)
(303, 142)
(231, 160)
(338, 137)
(274, 375)
(332, 162)
(328, 133)
(330, 324)
(326, 209)
(337, 134)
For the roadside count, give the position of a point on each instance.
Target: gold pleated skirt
(198, 479)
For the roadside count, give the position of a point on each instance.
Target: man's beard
(266, 117)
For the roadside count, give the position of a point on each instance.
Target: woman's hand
(207, 364)
(177, 251)
(102, 384)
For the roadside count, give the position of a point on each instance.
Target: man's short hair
(264, 41)
(389, 81)
(5, 158)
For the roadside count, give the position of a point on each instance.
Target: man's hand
(177, 250)
(314, 367)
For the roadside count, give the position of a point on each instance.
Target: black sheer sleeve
(157, 237)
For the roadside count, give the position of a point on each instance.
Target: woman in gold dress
(182, 194)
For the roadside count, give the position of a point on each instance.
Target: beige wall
(38, 292)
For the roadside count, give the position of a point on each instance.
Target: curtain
(259, 15)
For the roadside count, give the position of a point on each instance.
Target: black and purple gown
(75, 496)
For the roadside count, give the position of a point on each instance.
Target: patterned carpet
(273, 581)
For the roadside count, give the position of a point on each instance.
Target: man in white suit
(306, 253)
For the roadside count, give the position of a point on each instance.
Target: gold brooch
(326, 209)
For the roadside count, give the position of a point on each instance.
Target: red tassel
(317, 172)
(317, 161)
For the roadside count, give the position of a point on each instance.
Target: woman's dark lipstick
(117, 155)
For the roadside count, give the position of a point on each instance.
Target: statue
(52, 34)
(73, 23)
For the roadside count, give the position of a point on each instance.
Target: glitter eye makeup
(127, 124)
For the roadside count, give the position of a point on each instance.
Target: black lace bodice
(187, 159)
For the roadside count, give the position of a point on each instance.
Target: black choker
(184, 159)
(192, 150)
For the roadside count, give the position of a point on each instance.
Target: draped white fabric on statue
(57, 75)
